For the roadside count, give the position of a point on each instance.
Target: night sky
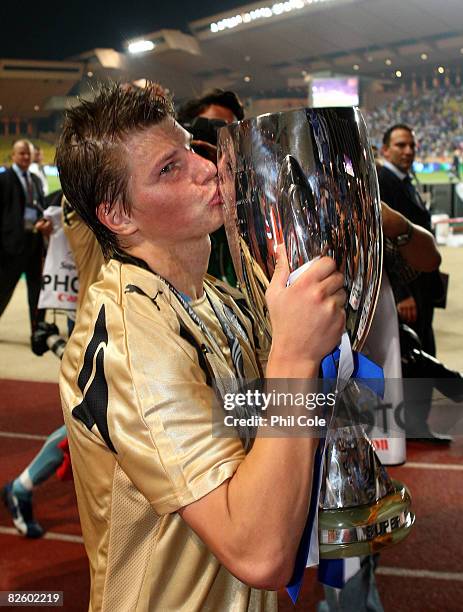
(47, 29)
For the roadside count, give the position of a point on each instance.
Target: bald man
(21, 229)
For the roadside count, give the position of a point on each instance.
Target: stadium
(400, 63)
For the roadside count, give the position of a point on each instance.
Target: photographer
(203, 117)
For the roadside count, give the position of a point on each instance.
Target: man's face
(174, 191)
(38, 156)
(214, 111)
(22, 155)
(401, 150)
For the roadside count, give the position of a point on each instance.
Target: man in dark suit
(21, 229)
(415, 300)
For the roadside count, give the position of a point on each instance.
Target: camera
(205, 129)
(47, 337)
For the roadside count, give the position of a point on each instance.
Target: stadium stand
(436, 116)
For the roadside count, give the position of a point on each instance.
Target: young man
(174, 518)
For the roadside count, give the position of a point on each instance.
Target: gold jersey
(137, 406)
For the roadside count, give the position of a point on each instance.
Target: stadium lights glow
(388, 62)
(263, 12)
(441, 70)
(398, 74)
(140, 46)
(247, 79)
(356, 67)
(424, 56)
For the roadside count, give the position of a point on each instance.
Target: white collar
(399, 174)
(20, 172)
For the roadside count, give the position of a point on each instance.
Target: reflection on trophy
(307, 178)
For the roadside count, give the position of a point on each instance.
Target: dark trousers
(418, 398)
(28, 261)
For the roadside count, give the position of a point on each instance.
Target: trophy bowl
(307, 178)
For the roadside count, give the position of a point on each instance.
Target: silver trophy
(307, 178)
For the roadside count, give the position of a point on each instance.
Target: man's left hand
(45, 227)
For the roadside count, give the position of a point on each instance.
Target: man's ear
(116, 219)
(384, 150)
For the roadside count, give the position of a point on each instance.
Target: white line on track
(416, 573)
(21, 436)
(49, 535)
(382, 570)
(433, 466)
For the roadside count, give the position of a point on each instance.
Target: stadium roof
(265, 49)
(275, 45)
(26, 86)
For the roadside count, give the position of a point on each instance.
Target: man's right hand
(407, 310)
(308, 317)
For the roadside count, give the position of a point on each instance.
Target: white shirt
(399, 174)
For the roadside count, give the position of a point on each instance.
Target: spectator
(37, 167)
(21, 229)
(415, 300)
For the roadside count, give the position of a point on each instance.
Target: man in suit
(415, 300)
(21, 229)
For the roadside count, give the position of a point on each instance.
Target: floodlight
(140, 46)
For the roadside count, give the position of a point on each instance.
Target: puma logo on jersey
(92, 382)
(135, 289)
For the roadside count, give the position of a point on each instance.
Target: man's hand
(44, 226)
(308, 317)
(394, 223)
(407, 310)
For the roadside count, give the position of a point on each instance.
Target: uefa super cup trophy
(307, 178)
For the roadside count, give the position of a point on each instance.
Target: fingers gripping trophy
(306, 178)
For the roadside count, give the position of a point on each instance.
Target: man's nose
(206, 170)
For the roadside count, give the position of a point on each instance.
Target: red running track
(423, 574)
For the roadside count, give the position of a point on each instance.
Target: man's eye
(167, 168)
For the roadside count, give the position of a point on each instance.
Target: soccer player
(172, 517)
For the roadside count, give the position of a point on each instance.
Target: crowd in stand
(436, 116)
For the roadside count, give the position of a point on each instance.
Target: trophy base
(365, 530)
